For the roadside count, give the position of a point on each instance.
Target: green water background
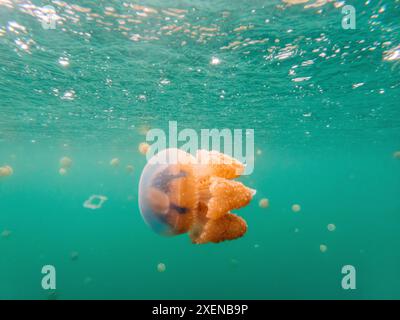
(325, 145)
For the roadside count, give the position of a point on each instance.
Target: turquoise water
(323, 102)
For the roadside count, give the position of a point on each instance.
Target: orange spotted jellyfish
(180, 193)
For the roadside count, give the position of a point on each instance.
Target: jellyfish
(180, 193)
(5, 233)
(264, 203)
(143, 148)
(74, 255)
(6, 171)
(323, 248)
(331, 227)
(296, 208)
(161, 267)
(114, 162)
(65, 162)
(129, 168)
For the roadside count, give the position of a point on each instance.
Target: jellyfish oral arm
(227, 195)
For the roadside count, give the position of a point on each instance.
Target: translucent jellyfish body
(179, 193)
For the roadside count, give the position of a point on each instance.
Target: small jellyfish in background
(179, 193)
(74, 255)
(114, 162)
(65, 162)
(5, 234)
(331, 227)
(6, 171)
(129, 168)
(62, 172)
(143, 148)
(264, 203)
(296, 208)
(161, 267)
(396, 155)
(323, 248)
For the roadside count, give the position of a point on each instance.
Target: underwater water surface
(324, 105)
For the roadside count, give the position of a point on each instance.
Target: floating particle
(296, 208)
(161, 267)
(295, 1)
(68, 95)
(114, 162)
(264, 203)
(331, 227)
(62, 171)
(87, 280)
(296, 230)
(171, 183)
(5, 234)
(143, 148)
(74, 255)
(63, 61)
(165, 82)
(323, 248)
(95, 202)
(215, 61)
(6, 171)
(129, 168)
(396, 155)
(256, 246)
(65, 162)
(301, 79)
(357, 85)
(392, 54)
(259, 152)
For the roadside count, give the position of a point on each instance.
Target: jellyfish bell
(180, 193)
(6, 171)
(166, 199)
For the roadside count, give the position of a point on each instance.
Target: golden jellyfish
(180, 193)
(396, 155)
(323, 248)
(331, 227)
(161, 267)
(65, 162)
(114, 162)
(143, 148)
(6, 171)
(264, 203)
(296, 208)
(129, 168)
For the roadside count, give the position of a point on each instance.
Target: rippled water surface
(324, 104)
